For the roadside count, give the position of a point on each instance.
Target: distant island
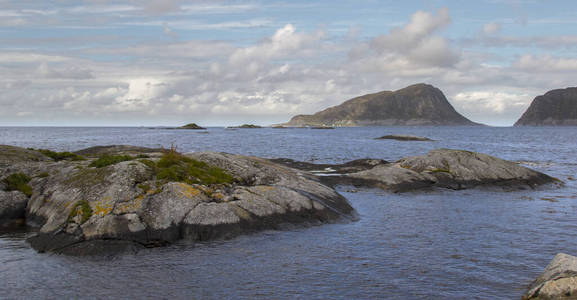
(556, 107)
(419, 104)
(190, 126)
(247, 126)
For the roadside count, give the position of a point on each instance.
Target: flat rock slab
(558, 281)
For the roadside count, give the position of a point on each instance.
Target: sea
(440, 244)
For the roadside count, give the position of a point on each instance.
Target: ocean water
(479, 244)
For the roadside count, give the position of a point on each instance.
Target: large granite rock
(442, 168)
(556, 107)
(453, 169)
(558, 281)
(80, 209)
(419, 104)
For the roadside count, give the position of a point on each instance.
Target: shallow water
(445, 244)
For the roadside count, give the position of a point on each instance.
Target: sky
(220, 63)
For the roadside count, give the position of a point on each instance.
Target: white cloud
(410, 50)
(68, 72)
(285, 42)
(492, 28)
(546, 63)
(268, 80)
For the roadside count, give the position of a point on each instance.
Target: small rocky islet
(113, 198)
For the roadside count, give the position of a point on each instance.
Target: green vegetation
(107, 160)
(174, 166)
(251, 126)
(441, 171)
(149, 163)
(191, 126)
(18, 182)
(43, 175)
(58, 156)
(144, 186)
(81, 208)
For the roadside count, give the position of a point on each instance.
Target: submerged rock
(558, 281)
(130, 202)
(399, 137)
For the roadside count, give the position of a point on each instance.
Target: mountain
(556, 107)
(419, 104)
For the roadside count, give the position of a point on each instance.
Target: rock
(322, 127)
(12, 208)
(453, 169)
(556, 107)
(330, 169)
(419, 104)
(558, 281)
(190, 126)
(247, 126)
(117, 150)
(399, 137)
(80, 208)
(442, 168)
(9, 155)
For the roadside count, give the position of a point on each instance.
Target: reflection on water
(441, 244)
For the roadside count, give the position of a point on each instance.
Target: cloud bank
(175, 78)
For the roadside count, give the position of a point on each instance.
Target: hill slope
(556, 107)
(419, 104)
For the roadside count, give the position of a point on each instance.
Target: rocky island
(190, 126)
(247, 126)
(440, 168)
(556, 108)
(124, 197)
(419, 104)
(112, 198)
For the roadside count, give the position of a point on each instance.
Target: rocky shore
(111, 198)
(123, 197)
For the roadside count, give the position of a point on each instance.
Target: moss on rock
(58, 156)
(81, 208)
(18, 182)
(107, 160)
(174, 166)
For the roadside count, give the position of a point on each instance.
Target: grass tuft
(174, 166)
(81, 208)
(58, 156)
(18, 182)
(107, 160)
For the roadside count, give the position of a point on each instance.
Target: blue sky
(152, 62)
